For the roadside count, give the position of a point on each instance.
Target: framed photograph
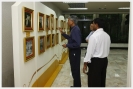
(56, 23)
(29, 48)
(61, 24)
(52, 21)
(53, 40)
(47, 22)
(40, 21)
(41, 44)
(27, 19)
(48, 41)
(57, 38)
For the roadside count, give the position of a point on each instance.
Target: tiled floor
(116, 71)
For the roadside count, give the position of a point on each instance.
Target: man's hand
(85, 67)
(61, 30)
(64, 45)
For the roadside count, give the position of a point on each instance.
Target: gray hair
(74, 18)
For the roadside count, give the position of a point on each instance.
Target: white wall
(7, 50)
(24, 71)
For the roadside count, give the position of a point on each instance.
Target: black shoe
(71, 86)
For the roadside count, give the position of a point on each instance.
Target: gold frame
(40, 17)
(47, 26)
(39, 44)
(53, 40)
(29, 57)
(57, 38)
(29, 13)
(48, 39)
(52, 21)
(56, 23)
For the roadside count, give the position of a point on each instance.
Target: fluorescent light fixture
(77, 8)
(124, 8)
(76, 2)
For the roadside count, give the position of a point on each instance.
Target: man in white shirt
(96, 56)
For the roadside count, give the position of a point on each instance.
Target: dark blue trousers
(74, 58)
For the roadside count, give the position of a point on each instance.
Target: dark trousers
(97, 72)
(74, 58)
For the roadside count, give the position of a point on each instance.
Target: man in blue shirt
(74, 41)
(91, 28)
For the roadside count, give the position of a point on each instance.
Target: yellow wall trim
(64, 58)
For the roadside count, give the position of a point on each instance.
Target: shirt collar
(99, 29)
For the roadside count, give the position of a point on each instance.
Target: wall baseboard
(48, 77)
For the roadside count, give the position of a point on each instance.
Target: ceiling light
(124, 8)
(76, 2)
(77, 8)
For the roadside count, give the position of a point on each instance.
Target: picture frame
(48, 41)
(56, 23)
(29, 48)
(41, 44)
(57, 38)
(47, 22)
(52, 21)
(61, 24)
(53, 40)
(40, 21)
(27, 19)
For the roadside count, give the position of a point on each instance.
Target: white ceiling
(93, 7)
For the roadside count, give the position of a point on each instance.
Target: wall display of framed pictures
(29, 48)
(27, 19)
(48, 41)
(57, 38)
(40, 21)
(61, 24)
(41, 44)
(53, 40)
(52, 21)
(56, 23)
(47, 22)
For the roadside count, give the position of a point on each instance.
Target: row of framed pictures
(45, 22)
(44, 42)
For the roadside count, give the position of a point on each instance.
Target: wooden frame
(29, 48)
(53, 40)
(41, 44)
(57, 38)
(61, 24)
(48, 41)
(56, 23)
(52, 21)
(47, 25)
(40, 21)
(27, 19)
